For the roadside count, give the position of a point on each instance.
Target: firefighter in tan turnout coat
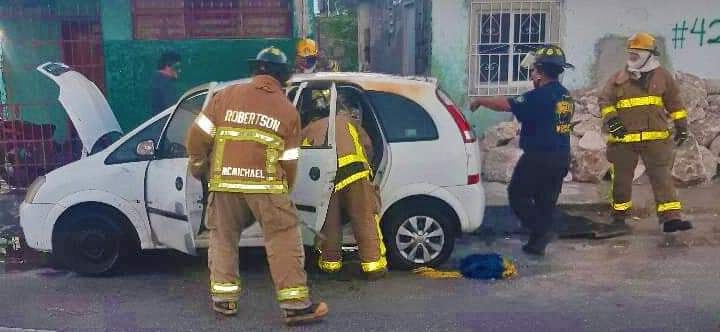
(636, 105)
(245, 144)
(354, 194)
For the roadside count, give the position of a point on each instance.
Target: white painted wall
(587, 21)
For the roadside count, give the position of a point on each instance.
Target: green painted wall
(26, 46)
(116, 16)
(450, 57)
(3, 98)
(129, 66)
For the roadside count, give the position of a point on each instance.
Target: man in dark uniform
(162, 88)
(545, 114)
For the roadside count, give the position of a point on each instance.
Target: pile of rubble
(696, 162)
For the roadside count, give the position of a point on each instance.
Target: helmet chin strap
(636, 65)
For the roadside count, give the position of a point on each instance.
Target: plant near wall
(338, 40)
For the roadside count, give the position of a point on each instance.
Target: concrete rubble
(695, 162)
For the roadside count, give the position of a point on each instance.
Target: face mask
(640, 60)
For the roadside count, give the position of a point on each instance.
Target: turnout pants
(658, 158)
(535, 187)
(361, 203)
(228, 215)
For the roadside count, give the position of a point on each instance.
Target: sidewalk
(594, 197)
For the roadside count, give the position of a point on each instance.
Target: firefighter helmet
(642, 41)
(271, 54)
(549, 54)
(307, 47)
(552, 55)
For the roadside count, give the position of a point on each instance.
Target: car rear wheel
(419, 236)
(89, 242)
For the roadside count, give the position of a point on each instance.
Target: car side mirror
(146, 148)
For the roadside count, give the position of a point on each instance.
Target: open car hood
(85, 105)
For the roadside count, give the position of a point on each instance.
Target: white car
(132, 191)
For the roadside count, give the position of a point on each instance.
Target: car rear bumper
(471, 201)
(36, 230)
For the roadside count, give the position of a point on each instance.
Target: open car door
(317, 165)
(174, 198)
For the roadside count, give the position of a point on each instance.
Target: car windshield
(104, 141)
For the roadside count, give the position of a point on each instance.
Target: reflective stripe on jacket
(239, 139)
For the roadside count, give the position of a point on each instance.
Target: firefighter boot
(376, 275)
(675, 225)
(315, 312)
(538, 242)
(618, 223)
(227, 308)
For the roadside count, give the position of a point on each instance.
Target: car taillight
(466, 130)
(473, 178)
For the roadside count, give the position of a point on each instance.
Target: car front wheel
(89, 242)
(417, 237)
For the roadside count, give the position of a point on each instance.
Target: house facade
(477, 45)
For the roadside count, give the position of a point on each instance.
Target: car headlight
(33, 189)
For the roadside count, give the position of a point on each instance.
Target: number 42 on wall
(698, 28)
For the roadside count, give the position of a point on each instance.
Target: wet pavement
(640, 282)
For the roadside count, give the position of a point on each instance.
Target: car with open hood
(133, 191)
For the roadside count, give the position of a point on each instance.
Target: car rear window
(402, 119)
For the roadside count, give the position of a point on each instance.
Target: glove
(616, 127)
(681, 135)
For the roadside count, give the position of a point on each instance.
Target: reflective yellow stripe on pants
(329, 266)
(640, 137)
(669, 206)
(293, 294)
(225, 290)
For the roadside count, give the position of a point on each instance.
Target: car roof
(366, 81)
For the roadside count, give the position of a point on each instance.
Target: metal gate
(35, 134)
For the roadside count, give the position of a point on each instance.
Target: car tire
(90, 242)
(418, 236)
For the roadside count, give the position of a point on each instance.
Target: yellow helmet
(306, 47)
(642, 41)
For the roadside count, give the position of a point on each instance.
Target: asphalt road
(640, 282)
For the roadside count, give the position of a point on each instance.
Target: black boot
(675, 225)
(537, 243)
(618, 223)
(315, 312)
(227, 308)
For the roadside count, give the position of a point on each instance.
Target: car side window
(402, 119)
(126, 153)
(172, 144)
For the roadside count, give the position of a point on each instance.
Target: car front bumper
(35, 226)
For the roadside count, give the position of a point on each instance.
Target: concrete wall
(593, 34)
(450, 37)
(590, 23)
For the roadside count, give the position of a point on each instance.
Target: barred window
(197, 19)
(502, 32)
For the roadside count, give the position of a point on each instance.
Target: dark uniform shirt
(162, 93)
(545, 114)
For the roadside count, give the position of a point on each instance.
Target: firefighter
(545, 114)
(354, 194)
(306, 57)
(245, 143)
(637, 104)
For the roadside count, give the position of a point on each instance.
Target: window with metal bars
(502, 32)
(197, 19)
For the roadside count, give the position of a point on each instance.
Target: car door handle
(314, 173)
(178, 183)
